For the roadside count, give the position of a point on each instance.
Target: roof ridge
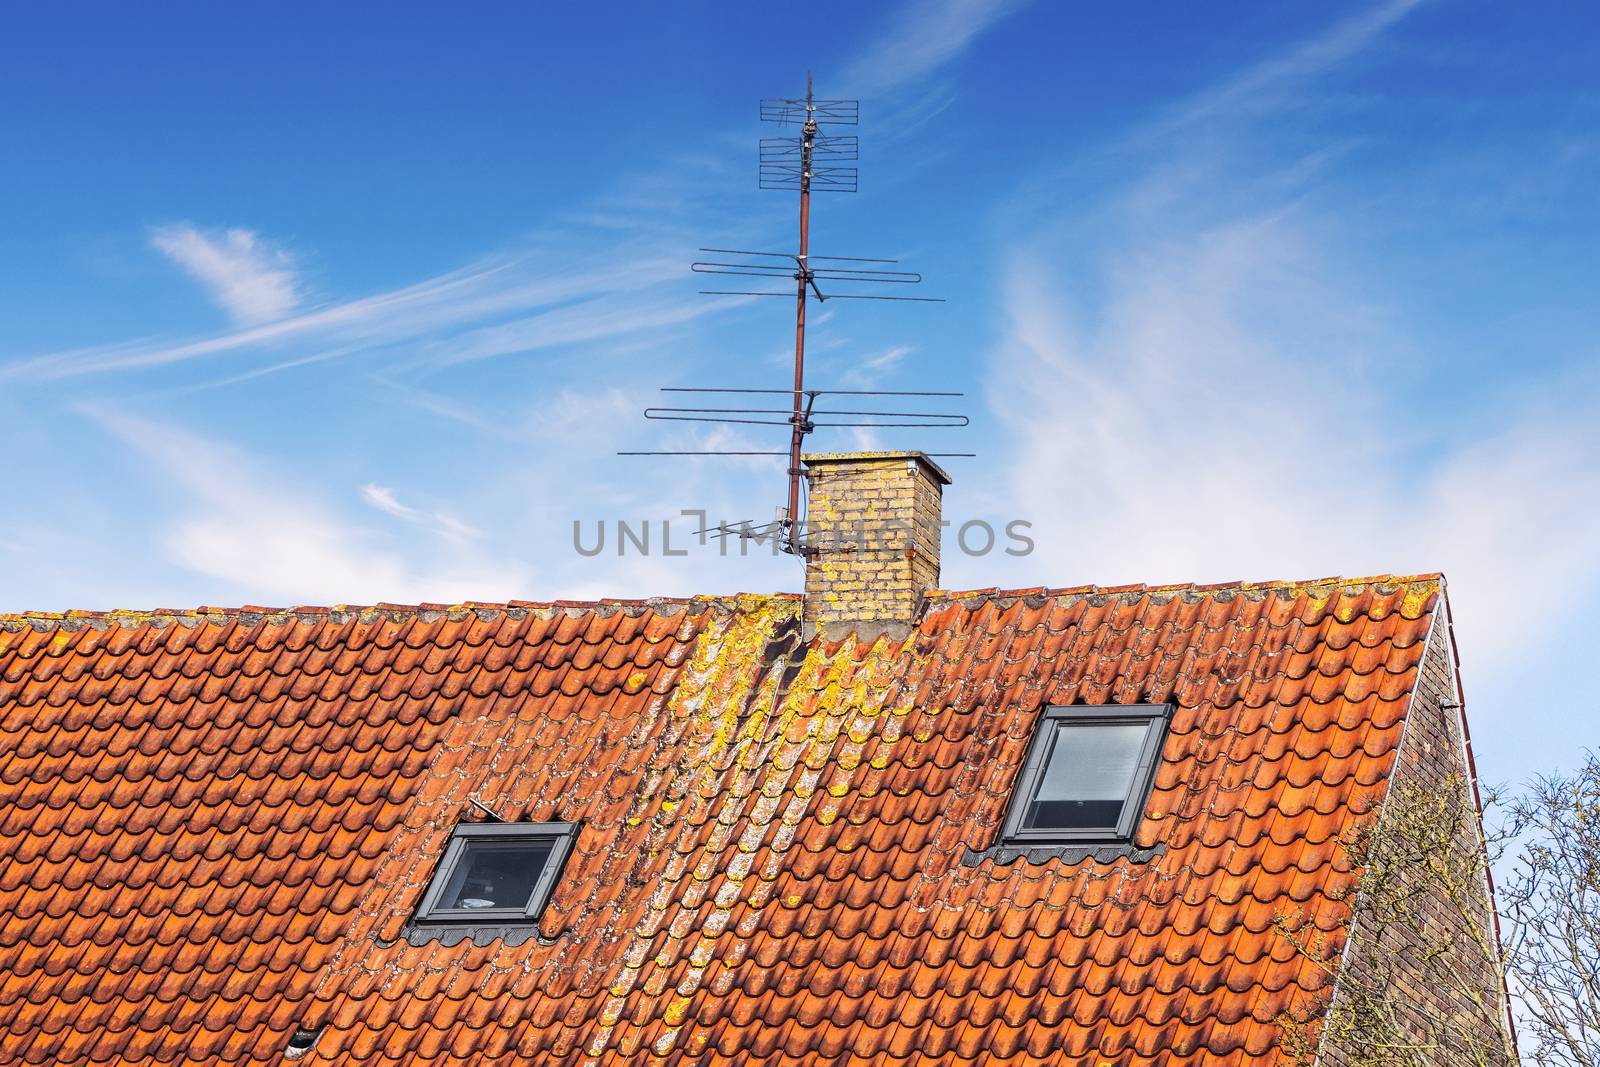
(1334, 582)
(205, 613)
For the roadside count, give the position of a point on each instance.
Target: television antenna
(817, 158)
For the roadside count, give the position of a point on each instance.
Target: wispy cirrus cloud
(387, 501)
(1259, 88)
(869, 370)
(384, 316)
(921, 37)
(250, 278)
(1189, 428)
(501, 305)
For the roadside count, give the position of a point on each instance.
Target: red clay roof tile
(221, 821)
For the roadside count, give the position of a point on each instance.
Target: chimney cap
(824, 459)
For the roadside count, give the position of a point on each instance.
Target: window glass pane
(496, 875)
(1088, 776)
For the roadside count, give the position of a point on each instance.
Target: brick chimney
(872, 527)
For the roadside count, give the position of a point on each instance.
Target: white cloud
(866, 372)
(1217, 424)
(240, 526)
(249, 278)
(384, 499)
(886, 361)
(501, 305)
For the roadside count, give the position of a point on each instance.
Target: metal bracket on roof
(485, 809)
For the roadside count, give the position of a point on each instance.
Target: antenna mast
(815, 160)
(797, 436)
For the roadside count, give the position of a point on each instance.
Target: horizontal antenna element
(906, 418)
(808, 392)
(808, 109)
(726, 452)
(801, 269)
(784, 163)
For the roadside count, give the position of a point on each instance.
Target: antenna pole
(802, 276)
(818, 160)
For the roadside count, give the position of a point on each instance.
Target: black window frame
(559, 835)
(1057, 720)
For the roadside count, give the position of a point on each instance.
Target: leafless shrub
(1551, 902)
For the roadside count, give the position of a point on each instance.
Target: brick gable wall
(1432, 758)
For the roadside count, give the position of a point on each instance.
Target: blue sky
(318, 304)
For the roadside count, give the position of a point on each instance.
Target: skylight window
(1087, 776)
(497, 874)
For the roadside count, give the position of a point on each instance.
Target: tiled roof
(217, 824)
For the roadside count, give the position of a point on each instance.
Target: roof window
(497, 874)
(1088, 773)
